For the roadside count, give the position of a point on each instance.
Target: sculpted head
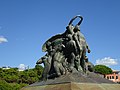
(77, 28)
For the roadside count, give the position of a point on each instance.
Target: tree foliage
(102, 69)
(4, 85)
(10, 86)
(12, 79)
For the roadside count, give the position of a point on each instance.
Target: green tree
(10, 75)
(39, 70)
(32, 76)
(5, 86)
(2, 74)
(102, 69)
(12, 79)
(23, 77)
(10, 86)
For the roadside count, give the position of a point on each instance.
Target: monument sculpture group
(66, 66)
(65, 53)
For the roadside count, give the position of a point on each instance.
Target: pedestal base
(75, 86)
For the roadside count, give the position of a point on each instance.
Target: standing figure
(70, 51)
(47, 66)
(81, 43)
(82, 46)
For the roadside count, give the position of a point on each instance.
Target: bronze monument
(66, 53)
(66, 66)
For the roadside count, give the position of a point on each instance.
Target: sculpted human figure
(70, 51)
(57, 58)
(89, 65)
(58, 61)
(82, 46)
(50, 49)
(47, 66)
(47, 61)
(80, 42)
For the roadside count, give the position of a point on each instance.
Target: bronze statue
(66, 52)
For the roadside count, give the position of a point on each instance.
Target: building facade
(115, 76)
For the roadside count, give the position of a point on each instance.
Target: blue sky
(26, 24)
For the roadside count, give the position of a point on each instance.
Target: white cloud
(3, 39)
(108, 61)
(22, 67)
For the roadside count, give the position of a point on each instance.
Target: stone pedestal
(75, 81)
(75, 86)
